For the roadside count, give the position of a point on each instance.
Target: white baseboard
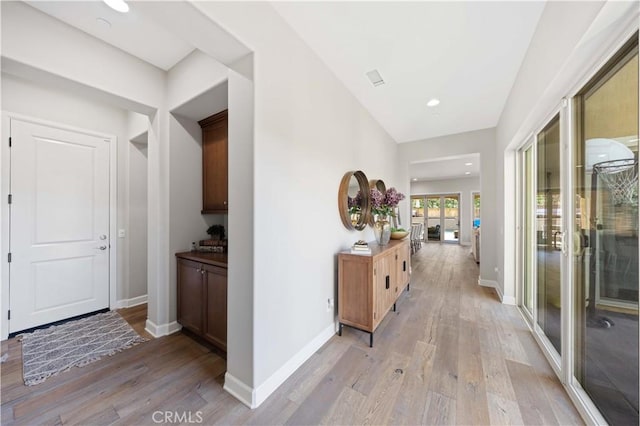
(129, 303)
(487, 283)
(252, 398)
(238, 389)
(263, 391)
(465, 243)
(163, 329)
(507, 300)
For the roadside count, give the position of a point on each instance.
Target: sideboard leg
(371, 339)
(408, 286)
(394, 307)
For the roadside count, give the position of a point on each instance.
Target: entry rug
(49, 351)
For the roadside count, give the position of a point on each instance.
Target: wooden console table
(369, 285)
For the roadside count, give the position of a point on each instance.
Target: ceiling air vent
(375, 77)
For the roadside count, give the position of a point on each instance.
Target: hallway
(451, 354)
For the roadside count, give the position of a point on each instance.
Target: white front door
(59, 232)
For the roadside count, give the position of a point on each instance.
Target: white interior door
(59, 233)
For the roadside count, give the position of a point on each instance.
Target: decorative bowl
(398, 235)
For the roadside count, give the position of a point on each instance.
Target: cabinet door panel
(216, 301)
(190, 295)
(215, 163)
(355, 293)
(404, 266)
(383, 285)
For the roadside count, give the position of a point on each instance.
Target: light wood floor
(451, 354)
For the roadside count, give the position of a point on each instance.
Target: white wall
(137, 127)
(191, 77)
(46, 50)
(22, 97)
(137, 235)
(32, 38)
(464, 186)
(309, 130)
(482, 142)
(186, 223)
(569, 44)
(241, 250)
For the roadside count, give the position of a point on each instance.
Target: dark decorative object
(216, 231)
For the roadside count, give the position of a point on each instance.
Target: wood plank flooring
(451, 354)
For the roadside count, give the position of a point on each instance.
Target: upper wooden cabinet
(215, 163)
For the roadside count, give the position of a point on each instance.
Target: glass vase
(382, 229)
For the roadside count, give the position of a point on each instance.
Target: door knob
(103, 237)
(101, 248)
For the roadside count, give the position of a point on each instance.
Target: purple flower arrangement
(385, 204)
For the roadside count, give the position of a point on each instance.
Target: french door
(442, 218)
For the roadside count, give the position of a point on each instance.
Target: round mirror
(353, 200)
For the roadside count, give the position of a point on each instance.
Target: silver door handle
(103, 237)
(101, 248)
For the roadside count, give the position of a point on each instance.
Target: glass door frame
(521, 235)
(556, 360)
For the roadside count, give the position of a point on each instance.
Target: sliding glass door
(541, 218)
(549, 232)
(579, 233)
(605, 260)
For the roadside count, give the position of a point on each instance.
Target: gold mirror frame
(360, 221)
(380, 186)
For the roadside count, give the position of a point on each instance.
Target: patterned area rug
(49, 351)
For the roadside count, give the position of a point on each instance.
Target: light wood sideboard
(369, 285)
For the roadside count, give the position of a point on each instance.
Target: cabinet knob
(224, 202)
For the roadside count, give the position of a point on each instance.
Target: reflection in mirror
(353, 200)
(380, 186)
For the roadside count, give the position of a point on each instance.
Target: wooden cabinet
(190, 296)
(202, 296)
(369, 285)
(215, 319)
(215, 163)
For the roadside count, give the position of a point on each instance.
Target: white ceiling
(467, 54)
(445, 168)
(132, 32)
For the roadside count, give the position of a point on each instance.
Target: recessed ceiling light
(467, 173)
(433, 102)
(375, 77)
(104, 22)
(468, 164)
(117, 5)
